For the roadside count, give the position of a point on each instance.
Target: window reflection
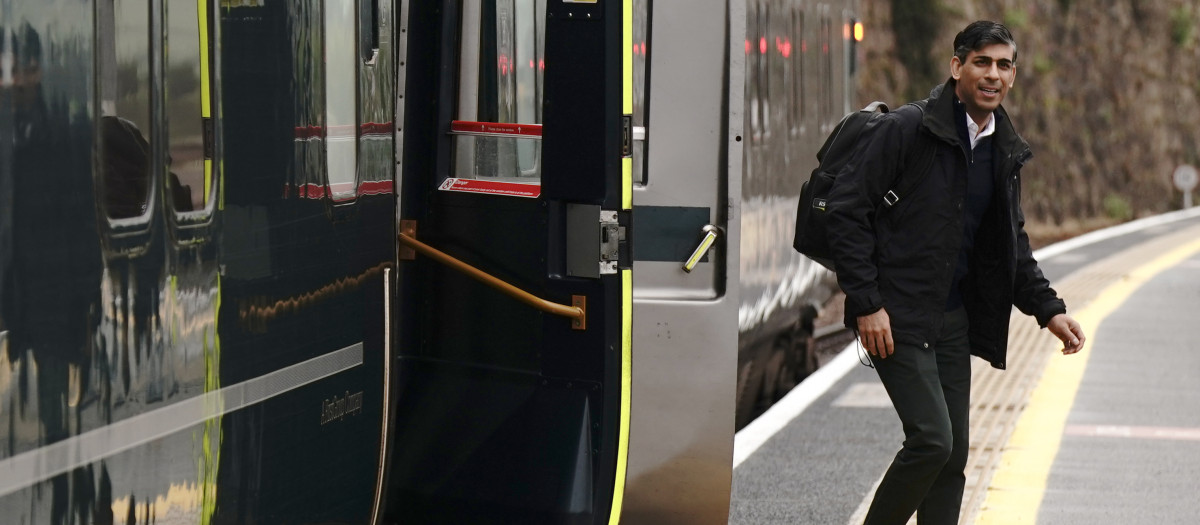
(501, 80)
(368, 29)
(125, 106)
(187, 179)
(798, 48)
(641, 38)
(828, 118)
(341, 90)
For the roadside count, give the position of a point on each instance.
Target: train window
(189, 160)
(753, 122)
(341, 97)
(368, 29)
(123, 146)
(826, 113)
(499, 113)
(781, 69)
(764, 71)
(798, 48)
(758, 60)
(641, 16)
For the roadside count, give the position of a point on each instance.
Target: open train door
(687, 192)
(512, 391)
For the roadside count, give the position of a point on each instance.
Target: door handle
(710, 235)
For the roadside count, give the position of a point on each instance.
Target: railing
(577, 311)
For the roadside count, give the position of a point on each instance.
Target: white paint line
(752, 436)
(1115, 231)
(40, 464)
(1134, 432)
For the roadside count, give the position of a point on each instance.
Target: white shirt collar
(974, 132)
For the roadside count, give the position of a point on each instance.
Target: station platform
(1109, 435)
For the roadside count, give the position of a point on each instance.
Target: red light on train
(762, 45)
(747, 46)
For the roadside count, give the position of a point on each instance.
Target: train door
(686, 210)
(511, 398)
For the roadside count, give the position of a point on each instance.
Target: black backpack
(812, 212)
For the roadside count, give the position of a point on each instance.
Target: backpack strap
(919, 165)
(852, 127)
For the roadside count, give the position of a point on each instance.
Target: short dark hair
(981, 34)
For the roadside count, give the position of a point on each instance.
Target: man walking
(931, 278)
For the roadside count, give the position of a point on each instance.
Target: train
(801, 60)
(375, 261)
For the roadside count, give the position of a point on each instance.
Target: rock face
(1106, 94)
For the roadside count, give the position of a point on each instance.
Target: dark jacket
(903, 258)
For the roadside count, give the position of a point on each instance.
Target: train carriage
(374, 261)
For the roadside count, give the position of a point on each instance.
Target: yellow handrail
(576, 313)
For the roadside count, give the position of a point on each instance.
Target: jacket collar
(939, 120)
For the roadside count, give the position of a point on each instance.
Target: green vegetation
(1015, 19)
(1042, 64)
(916, 25)
(1117, 207)
(1182, 25)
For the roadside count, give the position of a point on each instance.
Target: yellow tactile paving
(999, 398)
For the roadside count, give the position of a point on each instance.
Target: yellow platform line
(1019, 483)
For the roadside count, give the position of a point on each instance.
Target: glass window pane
(641, 14)
(189, 185)
(828, 119)
(125, 107)
(753, 124)
(500, 81)
(368, 29)
(341, 90)
(799, 48)
(764, 71)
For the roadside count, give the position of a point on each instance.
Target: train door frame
(392, 281)
(579, 373)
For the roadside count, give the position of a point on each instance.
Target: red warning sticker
(513, 189)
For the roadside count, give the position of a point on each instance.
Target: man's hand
(875, 330)
(1065, 329)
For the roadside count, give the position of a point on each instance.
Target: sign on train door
(511, 401)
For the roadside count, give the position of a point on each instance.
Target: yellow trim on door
(627, 97)
(626, 387)
(205, 87)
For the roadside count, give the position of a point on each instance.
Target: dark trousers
(931, 391)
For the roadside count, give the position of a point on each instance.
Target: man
(931, 280)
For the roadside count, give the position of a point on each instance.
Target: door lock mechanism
(596, 241)
(611, 235)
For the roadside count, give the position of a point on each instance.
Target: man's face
(984, 78)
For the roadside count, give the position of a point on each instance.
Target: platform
(1111, 435)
